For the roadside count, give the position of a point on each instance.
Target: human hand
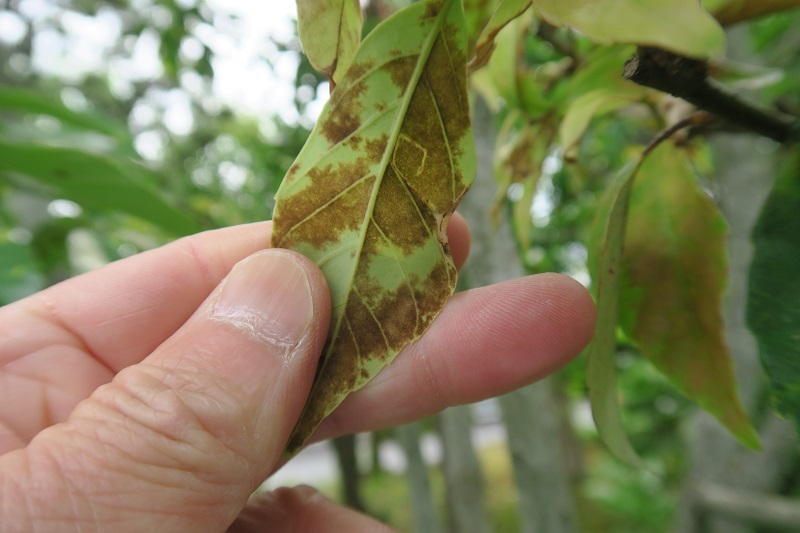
(155, 394)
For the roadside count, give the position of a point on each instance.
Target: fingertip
(459, 238)
(574, 315)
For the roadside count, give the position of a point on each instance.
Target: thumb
(179, 441)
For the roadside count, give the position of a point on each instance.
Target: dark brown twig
(688, 79)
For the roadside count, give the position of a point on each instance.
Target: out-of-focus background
(129, 123)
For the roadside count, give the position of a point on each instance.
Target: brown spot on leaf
(294, 213)
(345, 113)
(400, 70)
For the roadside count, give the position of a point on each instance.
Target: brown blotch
(345, 115)
(325, 226)
(358, 69)
(334, 378)
(432, 9)
(397, 214)
(375, 148)
(326, 183)
(400, 70)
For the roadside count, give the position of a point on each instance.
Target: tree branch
(753, 507)
(688, 79)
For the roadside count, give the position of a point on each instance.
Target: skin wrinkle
(170, 474)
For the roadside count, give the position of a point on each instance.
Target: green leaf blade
(681, 26)
(773, 307)
(601, 374)
(94, 181)
(369, 196)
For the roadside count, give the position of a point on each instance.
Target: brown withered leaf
(369, 197)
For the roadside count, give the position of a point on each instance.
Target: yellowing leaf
(330, 31)
(369, 197)
(675, 266)
(507, 11)
(681, 26)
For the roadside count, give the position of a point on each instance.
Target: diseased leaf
(681, 26)
(94, 181)
(507, 11)
(601, 372)
(369, 197)
(675, 267)
(773, 307)
(330, 31)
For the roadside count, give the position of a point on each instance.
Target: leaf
(330, 31)
(94, 181)
(32, 102)
(601, 373)
(477, 14)
(729, 12)
(507, 11)
(369, 196)
(675, 268)
(581, 112)
(681, 26)
(501, 77)
(773, 307)
(519, 155)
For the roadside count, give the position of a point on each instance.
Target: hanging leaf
(681, 26)
(675, 267)
(773, 307)
(601, 372)
(506, 12)
(94, 181)
(330, 31)
(369, 197)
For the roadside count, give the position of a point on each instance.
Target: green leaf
(581, 112)
(30, 101)
(601, 373)
(94, 181)
(507, 11)
(369, 197)
(681, 26)
(477, 14)
(773, 307)
(330, 31)
(675, 267)
(501, 77)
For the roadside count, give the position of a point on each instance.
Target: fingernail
(267, 295)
